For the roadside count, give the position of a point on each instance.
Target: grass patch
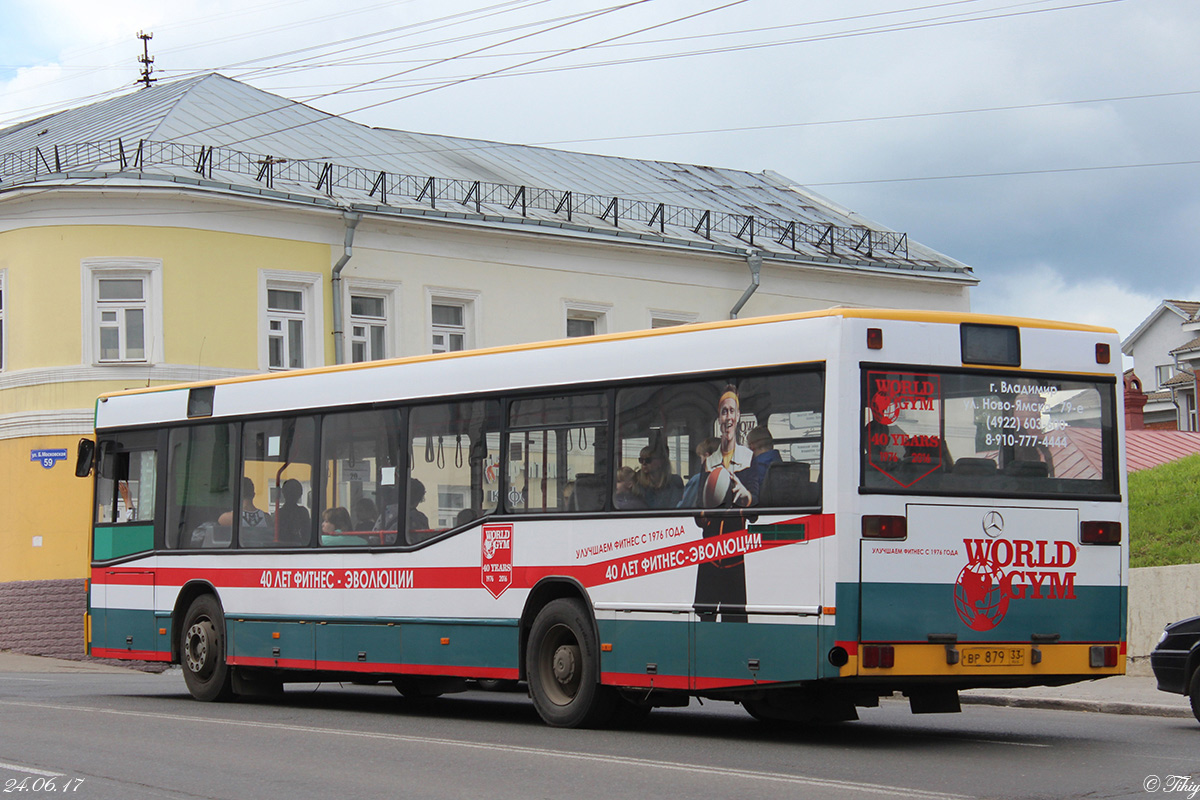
(1164, 514)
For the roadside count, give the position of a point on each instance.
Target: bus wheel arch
(183, 602)
(202, 648)
(561, 647)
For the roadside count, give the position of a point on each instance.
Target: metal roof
(221, 134)
(1149, 448)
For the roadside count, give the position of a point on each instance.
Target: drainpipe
(352, 219)
(754, 261)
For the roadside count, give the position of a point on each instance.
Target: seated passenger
(762, 444)
(293, 520)
(655, 483)
(417, 521)
(251, 516)
(335, 520)
(365, 514)
(624, 498)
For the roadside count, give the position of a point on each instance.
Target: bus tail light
(1102, 655)
(1103, 353)
(880, 527)
(1100, 532)
(874, 338)
(878, 656)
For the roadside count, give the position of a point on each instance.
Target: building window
(585, 319)
(122, 311)
(291, 317)
(1163, 373)
(454, 316)
(669, 319)
(368, 327)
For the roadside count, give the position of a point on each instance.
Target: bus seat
(974, 466)
(1027, 469)
(590, 491)
(786, 484)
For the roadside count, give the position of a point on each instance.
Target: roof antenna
(146, 60)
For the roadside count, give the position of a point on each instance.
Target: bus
(799, 513)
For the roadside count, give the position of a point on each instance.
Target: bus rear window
(987, 434)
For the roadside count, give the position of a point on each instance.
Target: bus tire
(563, 665)
(202, 651)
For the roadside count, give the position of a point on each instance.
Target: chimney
(1135, 403)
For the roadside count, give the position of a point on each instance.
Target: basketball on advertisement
(717, 487)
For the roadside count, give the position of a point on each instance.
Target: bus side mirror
(84, 457)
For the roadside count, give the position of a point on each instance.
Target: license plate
(992, 656)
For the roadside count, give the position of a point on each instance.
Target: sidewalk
(19, 662)
(1123, 694)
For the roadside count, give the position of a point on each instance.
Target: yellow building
(205, 229)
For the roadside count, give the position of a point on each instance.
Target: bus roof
(908, 315)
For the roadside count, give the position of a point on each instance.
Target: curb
(1094, 706)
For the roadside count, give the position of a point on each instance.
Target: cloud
(1042, 291)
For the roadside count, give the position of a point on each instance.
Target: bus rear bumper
(985, 664)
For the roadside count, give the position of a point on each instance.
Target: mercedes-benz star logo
(993, 524)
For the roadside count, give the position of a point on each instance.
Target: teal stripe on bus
(115, 541)
(900, 612)
(129, 629)
(733, 652)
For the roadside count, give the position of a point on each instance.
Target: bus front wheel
(202, 651)
(563, 665)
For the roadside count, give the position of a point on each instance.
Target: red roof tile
(1145, 449)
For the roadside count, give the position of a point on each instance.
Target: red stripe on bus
(646, 562)
(457, 671)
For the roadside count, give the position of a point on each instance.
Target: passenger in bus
(691, 492)
(762, 444)
(335, 520)
(655, 484)
(389, 505)
(624, 498)
(417, 521)
(365, 514)
(251, 516)
(293, 522)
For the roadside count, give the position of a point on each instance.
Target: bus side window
(358, 493)
(125, 486)
(200, 469)
(452, 449)
(277, 458)
(557, 457)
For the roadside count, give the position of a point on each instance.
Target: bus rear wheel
(563, 665)
(202, 651)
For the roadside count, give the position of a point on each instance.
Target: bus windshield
(987, 433)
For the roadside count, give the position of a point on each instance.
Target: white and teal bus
(799, 513)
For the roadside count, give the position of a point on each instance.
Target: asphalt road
(132, 735)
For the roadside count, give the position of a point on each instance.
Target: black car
(1176, 660)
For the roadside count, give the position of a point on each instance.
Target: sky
(1048, 144)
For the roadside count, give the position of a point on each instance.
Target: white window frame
(661, 318)
(390, 294)
(583, 310)
(149, 271)
(309, 284)
(1159, 370)
(471, 305)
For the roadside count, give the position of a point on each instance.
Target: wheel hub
(566, 664)
(197, 647)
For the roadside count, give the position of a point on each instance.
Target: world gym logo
(999, 571)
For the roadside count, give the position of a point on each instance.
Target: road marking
(994, 741)
(30, 770)
(672, 766)
(33, 680)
